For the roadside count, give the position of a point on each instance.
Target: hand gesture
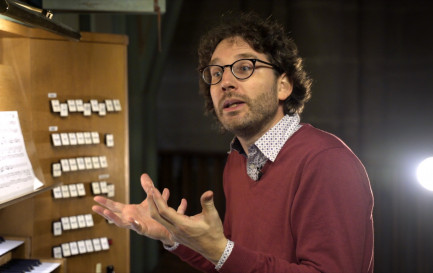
(137, 216)
(202, 232)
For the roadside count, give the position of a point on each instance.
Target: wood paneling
(37, 64)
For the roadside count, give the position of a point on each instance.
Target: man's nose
(228, 80)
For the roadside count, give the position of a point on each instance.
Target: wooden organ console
(71, 100)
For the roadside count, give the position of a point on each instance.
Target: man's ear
(285, 87)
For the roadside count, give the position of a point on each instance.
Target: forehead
(231, 49)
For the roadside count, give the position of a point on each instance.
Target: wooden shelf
(28, 195)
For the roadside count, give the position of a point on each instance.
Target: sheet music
(8, 245)
(16, 173)
(45, 267)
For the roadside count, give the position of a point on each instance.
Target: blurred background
(372, 65)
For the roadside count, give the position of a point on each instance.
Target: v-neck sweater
(311, 211)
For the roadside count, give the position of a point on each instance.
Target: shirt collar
(273, 140)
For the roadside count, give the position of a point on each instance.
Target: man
(297, 198)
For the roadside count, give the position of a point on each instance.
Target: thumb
(207, 203)
(146, 182)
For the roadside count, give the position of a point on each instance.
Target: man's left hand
(202, 232)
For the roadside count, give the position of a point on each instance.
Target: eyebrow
(239, 56)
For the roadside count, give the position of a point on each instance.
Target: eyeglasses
(242, 69)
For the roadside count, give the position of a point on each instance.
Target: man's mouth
(233, 103)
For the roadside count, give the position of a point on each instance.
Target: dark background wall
(372, 65)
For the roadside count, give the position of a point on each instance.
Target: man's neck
(248, 140)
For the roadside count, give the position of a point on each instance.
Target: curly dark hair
(264, 36)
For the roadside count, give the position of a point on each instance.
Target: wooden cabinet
(36, 69)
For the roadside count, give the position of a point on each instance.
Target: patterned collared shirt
(268, 146)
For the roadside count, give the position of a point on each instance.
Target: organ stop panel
(71, 99)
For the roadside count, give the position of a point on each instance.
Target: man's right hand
(136, 216)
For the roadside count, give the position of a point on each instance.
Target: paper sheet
(8, 245)
(16, 173)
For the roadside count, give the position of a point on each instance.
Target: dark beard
(252, 127)
(262, 111)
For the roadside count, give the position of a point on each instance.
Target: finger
(207, 203)
(167, 213)
(182, 207)
(146, 182)
(100, 210)
(100, 199)
(115, 218)
(160, 202)
(109, 204)
(154, 210)
(109, 215)
(165, 194)
(135, 225)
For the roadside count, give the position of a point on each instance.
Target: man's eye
(243, 68)
(216, 74)
(246, 68)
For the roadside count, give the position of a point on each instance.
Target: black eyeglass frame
(231, 69)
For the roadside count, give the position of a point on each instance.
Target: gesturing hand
(202, 232)
(137, 216)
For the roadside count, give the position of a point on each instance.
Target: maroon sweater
(311, 211)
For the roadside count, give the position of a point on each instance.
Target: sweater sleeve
(331, 218)
(194, 259)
